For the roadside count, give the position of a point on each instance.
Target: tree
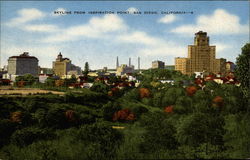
(28, 135)
(242, 68)
(159, 133)
(50, 81)
(29, 79)
(86, 69)
(101, 140)
(237, 137)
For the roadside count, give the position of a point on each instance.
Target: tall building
(23, 64)
(158, 64)
(201, 57)
(62, 66)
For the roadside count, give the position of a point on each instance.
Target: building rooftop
(24, 55)
(201, 33)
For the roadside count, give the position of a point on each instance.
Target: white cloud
(97, 27)
(221, 46)
(41, 28)
(164, 50)
(152, 46)
(220, 22)
(168, 19)
(138, 37)
(132, 10)
(26, 15)
(107, 23)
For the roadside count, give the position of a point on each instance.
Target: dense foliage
(242, 69)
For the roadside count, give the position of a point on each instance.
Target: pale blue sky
(99, 38)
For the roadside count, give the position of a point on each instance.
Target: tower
(139, 63)
(129, 62)
(117, 62)
(59, 56)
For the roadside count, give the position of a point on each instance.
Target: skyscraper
(201, 57)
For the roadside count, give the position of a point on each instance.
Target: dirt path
(27, 91)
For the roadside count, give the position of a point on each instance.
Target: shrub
(191, 90)
(109, 109)
(55, 118)
(169, 109)
(6, 129)
(144, 92)
(124, 115)
(218, 101)
(160, 133)
(26, 136)
(107, 138)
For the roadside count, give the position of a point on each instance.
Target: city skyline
(100, 38)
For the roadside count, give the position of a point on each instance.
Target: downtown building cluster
(201, 60)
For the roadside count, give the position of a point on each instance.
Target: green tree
(6, 129)
(86, 69)
(99, 87)
(159, 133)
(101, 140)
(28, 135)
(242, 68)
(50, 81)
(28, 78)
(237, 137)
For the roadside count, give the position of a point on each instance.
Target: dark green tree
(242, 68)
(28, 135)
(86, 69)
(29, 79)
(159, 133)
(50, 81)
(237, 137)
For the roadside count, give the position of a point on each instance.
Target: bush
(109, 109)
(159, 133)
(26, 136)
(86, 97)
(6, 129)
(55, 118)
(101, 138)
(100, 87)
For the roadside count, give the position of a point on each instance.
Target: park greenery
(152, 121)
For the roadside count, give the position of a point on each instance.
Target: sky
(98, 39)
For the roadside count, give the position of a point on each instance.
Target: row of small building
(61, 67)
(26, 64)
